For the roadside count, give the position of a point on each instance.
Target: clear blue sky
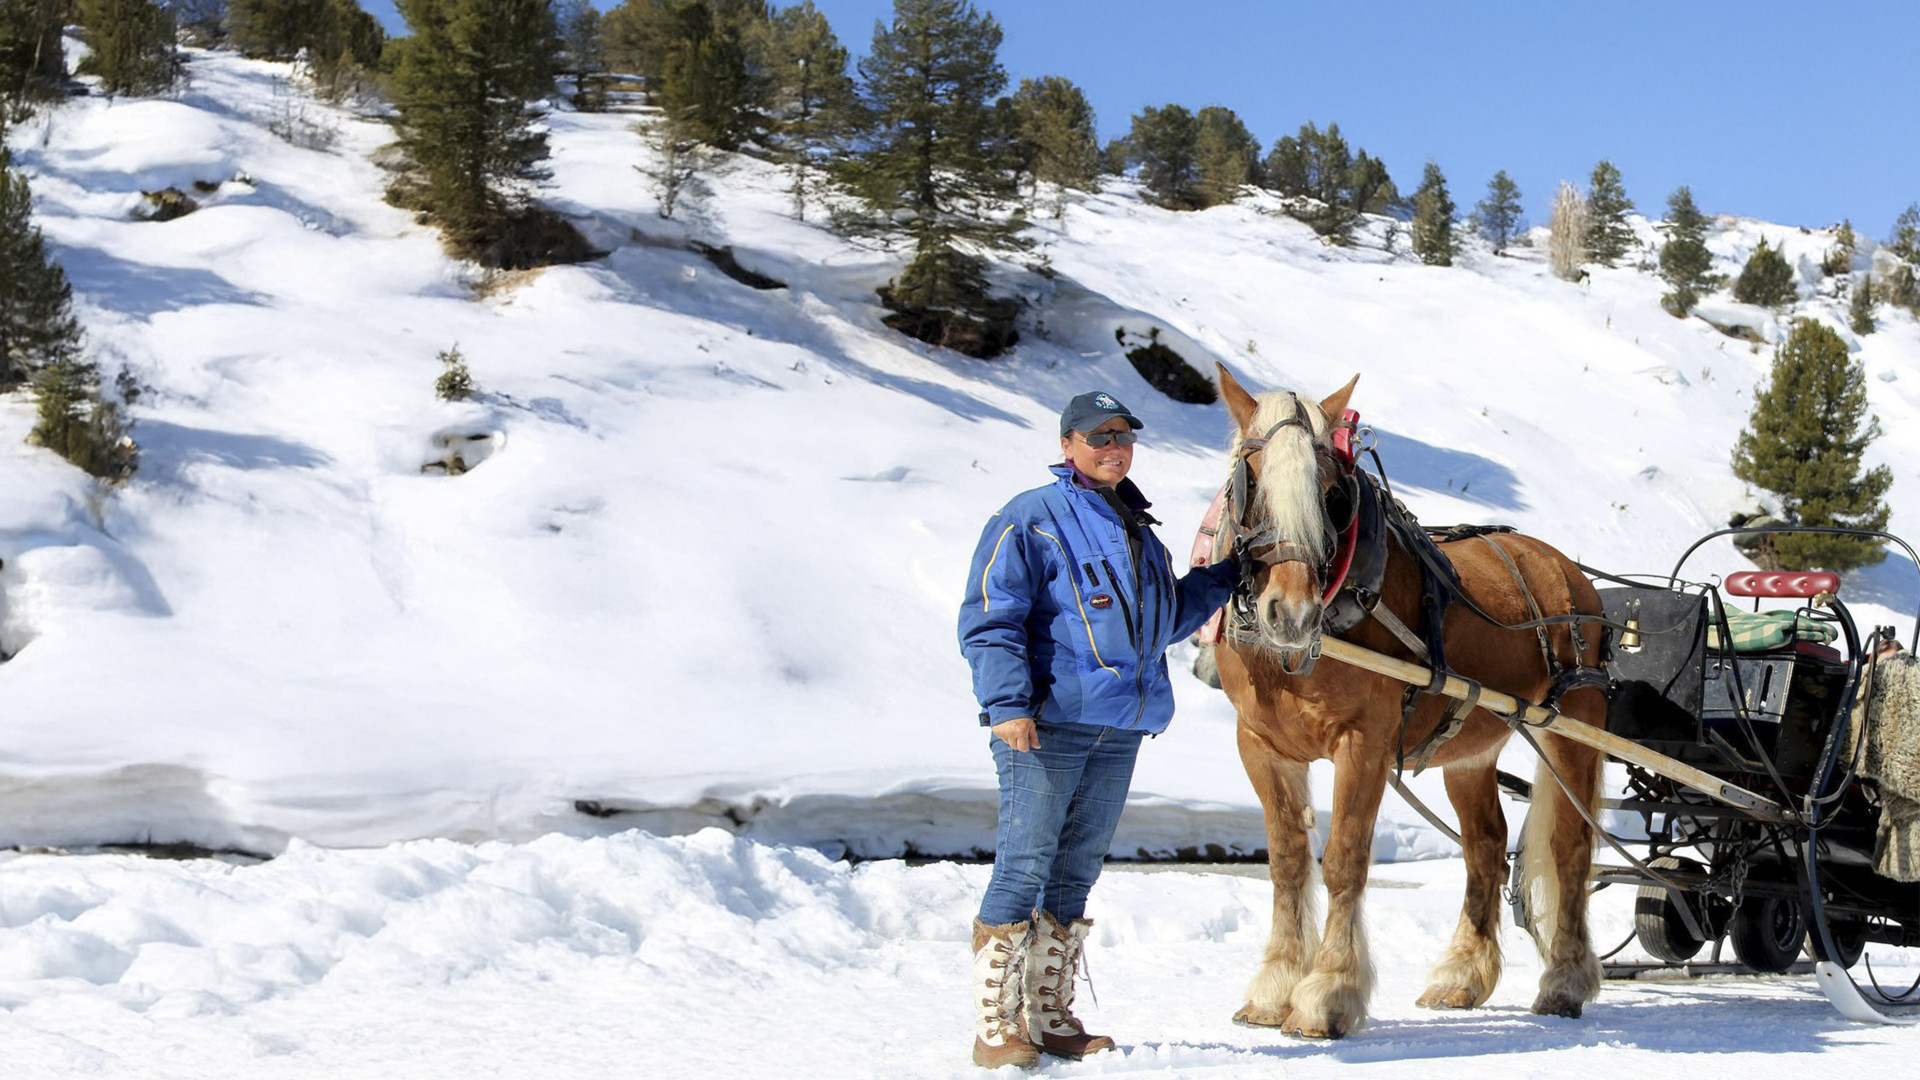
(1795, 112)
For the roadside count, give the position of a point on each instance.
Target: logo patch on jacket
(1101, 600)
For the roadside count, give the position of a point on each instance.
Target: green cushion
(1760, 631)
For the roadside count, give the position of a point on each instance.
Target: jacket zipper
(1139, 657)
(1133, 639)
(1093, 578)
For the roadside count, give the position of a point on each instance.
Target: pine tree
(809, 96)
(1901, 288)
(1803, 443)
(1057, 141)
(1860, 308)
(705, 88)
(461, 86)
(1609, 237)
(272, 29)
(1685, 262)
(1904, 244)
(1337, 183)
(132, 45)
(1567, 234)
(37, 327)
(202, 23)
(1163, 145)
(32, 62)
(1113, 157)
(1500, 212)
(1225, 153)
(1766, 280)
(1433, 212)
(583, 52)
(1839, 258)
(344, 52)
(933, 161)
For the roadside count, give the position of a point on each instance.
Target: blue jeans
(1059, 805)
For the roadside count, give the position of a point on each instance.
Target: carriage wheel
(1849, 936)
(1767, 931)
(1656, 917)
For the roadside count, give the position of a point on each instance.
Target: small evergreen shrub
(1838, 262)
(72, 420)
(1860, 308)
(456, 382)
(1767, 279)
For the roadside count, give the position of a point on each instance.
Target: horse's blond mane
(1288, 486)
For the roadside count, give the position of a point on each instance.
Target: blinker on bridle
(1264, 536)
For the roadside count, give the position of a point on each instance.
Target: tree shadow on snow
(167, 449)
(1894, 583)
(687, 284)
(1412, 463)
(135, 288)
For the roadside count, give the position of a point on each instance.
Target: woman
(1071, 604)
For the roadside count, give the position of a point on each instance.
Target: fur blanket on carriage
(1892, 760)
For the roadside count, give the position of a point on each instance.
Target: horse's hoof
(1552, 1005)
(1251, 1015)
(1329, 1030)
(1448, 997)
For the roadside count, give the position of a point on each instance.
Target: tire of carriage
(1767, 932)
(1657, 921)
(1849, 937)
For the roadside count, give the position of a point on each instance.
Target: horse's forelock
(1288, 486)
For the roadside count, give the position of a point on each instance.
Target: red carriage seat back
(1783, 584)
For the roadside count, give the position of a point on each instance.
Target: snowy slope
(709, 571)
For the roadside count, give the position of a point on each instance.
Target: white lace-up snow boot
(1054, 953)
(999, 1034)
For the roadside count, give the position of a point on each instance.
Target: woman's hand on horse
(1018, 733)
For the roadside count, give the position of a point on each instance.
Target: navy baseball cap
(1091, 409)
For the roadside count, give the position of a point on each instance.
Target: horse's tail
(1553, 823)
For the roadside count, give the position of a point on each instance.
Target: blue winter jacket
(1059, 625)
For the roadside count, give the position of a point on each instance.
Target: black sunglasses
(1101, 438)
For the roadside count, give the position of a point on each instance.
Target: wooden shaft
(1543, 718)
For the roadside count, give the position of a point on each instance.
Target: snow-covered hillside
(706, 564)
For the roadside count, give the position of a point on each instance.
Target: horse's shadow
(1798, 1024)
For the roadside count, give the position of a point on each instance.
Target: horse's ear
(1336, 403)
(1240, 404)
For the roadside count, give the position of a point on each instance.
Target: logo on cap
(1105, 402)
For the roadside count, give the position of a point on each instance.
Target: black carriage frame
(1765, 884)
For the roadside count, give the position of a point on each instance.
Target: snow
(707, 577)
(710, 955)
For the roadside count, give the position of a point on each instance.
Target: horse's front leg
(1284, 799)
(1332, 1000)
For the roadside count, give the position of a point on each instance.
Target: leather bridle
(1259, 545)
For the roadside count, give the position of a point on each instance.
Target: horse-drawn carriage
(1779, 702)
(1773, 793)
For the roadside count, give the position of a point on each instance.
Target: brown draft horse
(1317, 984)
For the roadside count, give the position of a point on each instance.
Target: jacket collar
(1124, 495)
